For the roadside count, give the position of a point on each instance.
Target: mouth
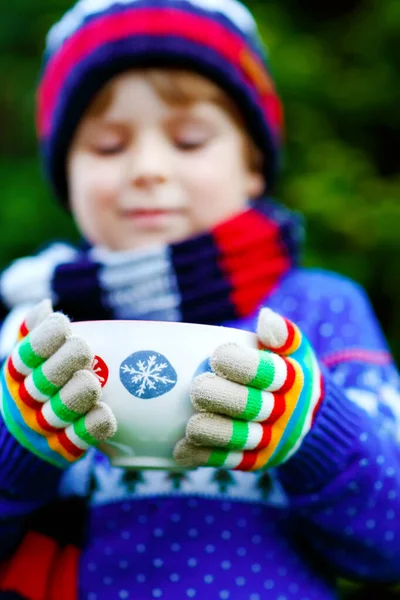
(151, 217)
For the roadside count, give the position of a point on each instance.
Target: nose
(146, 180)
(149, 165)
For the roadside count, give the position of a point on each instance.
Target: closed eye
(187, 145)
(109, 150)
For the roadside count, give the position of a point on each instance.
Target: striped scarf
(213, 278)
(45, 565)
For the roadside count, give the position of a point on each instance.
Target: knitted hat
(97, 39)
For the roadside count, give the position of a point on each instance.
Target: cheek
(221, 167)
(216, 188)
(92, 192)
(92, 185)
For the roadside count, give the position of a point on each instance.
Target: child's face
(147, 172)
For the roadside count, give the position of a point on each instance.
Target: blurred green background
(335, 63)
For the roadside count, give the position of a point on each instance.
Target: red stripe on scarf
(28, 571)
(40, 570)
(64, 577)
(251, 275)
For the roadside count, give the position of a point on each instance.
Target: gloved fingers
(76, 398)
(277, 333)
(214, 431)
(35, 316)
(211, 393)
(188, 456)
(98, 425)
(260, 369)
(48, 378)
(42, 342)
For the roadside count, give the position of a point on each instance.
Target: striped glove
(49, 395)
(256, 407)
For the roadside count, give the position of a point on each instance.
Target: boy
(160, 129)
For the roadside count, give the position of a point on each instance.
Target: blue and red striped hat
(97, 39)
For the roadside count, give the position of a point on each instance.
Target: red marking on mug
(100, 369)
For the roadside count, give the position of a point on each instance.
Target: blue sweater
(331, 511)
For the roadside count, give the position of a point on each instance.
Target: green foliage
(335, 67)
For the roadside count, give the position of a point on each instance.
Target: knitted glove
(256, 407)
(49, 395)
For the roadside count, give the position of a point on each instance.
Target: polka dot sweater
(332, 510)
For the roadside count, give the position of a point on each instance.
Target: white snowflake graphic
(148, 375)
(98, 370)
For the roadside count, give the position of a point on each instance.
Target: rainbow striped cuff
(32, 422)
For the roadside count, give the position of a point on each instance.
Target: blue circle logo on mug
(147, 374)
(204, 367)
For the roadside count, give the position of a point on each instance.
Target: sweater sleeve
(344, 482)
(26, 482)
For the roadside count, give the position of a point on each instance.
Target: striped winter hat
(97, 39)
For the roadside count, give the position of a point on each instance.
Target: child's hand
(49, 395)
(257, 405)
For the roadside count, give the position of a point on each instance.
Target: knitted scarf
(46, 563)
(213, 278)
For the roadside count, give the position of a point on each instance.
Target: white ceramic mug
(146, 368)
